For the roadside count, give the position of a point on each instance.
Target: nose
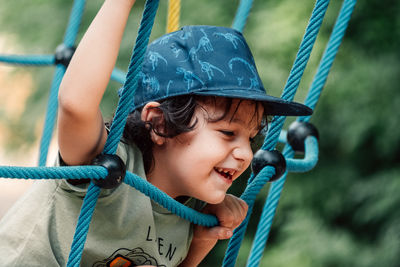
(243, 153)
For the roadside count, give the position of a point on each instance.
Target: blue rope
(255, 183)
(52, 106)
(73, 172)
(33, 60)
(251, 190)
(74, 22)
(118, 75)
(276, 126)
(116, 130)
(264, 226)
(311, 100)
(242, 14)
(169, 203)
(132, 77)
(298, 69)
(82, 228)
(44, 60)
(329, 55)
(310, 157)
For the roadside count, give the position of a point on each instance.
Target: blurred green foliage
(346, 211)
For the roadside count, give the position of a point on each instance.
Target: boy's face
(204, 162)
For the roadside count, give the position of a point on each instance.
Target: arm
(81, 132)
(230, 213)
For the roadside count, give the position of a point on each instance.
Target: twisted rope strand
(242, 14)
(238, 234)
(132, 77)
(166, 201)
(314, 93)
(52, 106)
(255, 184)
(74, 22)
(82, 227)
(329, 55)
(276, 126)
(116, 130)
(73, 172)
(28, 60)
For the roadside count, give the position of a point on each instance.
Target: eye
(227, 133)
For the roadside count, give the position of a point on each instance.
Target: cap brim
(274, 105)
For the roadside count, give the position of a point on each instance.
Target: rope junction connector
(116, 170)
(273, 158)
(63, 54)
(298, 132)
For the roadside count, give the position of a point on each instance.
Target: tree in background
(344, 212)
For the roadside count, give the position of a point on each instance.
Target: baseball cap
(207, 61)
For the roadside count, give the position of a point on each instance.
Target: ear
(152, 114)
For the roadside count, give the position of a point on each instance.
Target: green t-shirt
(127, 228)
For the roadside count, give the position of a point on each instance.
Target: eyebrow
(239, 121)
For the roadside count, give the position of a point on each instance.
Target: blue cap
(208, 61)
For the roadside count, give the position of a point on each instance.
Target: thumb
(217, 232)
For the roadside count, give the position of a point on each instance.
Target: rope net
(255, 182)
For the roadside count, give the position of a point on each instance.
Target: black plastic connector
(116, 170)
(273, 158)
(298, 132)
(63, 54)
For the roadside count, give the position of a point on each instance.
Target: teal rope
(314, 93)
(276, 126)
(74, 22)
(329, 55)
(73, 172)
(161, 197)
(264, 226)
(116, 130)
(132, 77)
(298, 69)
(310, 159)
(242, 14)
(32, 60)
(52, 106)
(118, 75)
(169, 203)
(82, 228)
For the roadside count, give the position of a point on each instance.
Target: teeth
(230, 172)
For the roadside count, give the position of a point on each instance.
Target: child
(198, 105)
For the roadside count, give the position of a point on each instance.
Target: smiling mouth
(227, 174)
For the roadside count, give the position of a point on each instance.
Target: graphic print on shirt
(124, 257)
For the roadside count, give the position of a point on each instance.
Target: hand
(230, 213)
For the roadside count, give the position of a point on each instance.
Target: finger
(218, 232)
(243, 208)
(238, 208)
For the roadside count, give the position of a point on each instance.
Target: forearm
(90, 68)
(81, 134)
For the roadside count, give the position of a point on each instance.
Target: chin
(214, 199)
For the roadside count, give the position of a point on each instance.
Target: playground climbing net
(268, 165)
